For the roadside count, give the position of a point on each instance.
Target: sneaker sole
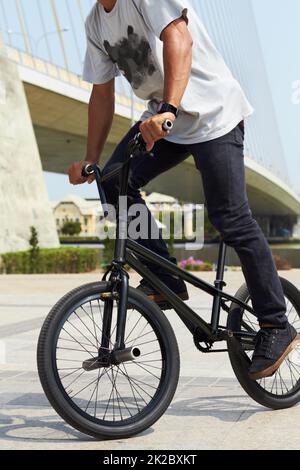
(272, 369)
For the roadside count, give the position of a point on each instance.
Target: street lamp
(50, 33)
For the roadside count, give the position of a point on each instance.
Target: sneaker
(272, 346)
(175, 284)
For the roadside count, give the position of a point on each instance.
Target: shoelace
(262, 340)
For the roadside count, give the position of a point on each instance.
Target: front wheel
(282, 390)
(111, 401)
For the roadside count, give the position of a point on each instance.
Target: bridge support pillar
(23, 195)
(296, 231)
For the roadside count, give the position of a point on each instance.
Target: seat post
(221, 262)
(219, 284)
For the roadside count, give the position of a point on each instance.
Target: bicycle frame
(131, 253)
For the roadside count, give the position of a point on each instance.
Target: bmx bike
(108, 358)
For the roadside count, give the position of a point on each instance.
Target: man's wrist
(166, 107)
(92, 159)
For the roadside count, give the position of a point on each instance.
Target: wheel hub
(111, 358)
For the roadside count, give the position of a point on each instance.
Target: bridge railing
(46, 68)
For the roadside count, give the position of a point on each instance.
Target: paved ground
(210, 410)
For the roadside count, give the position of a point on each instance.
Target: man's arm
(101, 112)
(178, 46)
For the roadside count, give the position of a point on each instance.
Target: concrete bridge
(43, 126)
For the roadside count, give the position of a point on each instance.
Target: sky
(278, 24)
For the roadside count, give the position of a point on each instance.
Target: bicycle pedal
(164, 306)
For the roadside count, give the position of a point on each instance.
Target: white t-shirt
(127, 40)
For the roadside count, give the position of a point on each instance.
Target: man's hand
(152, 130)
(75, 174)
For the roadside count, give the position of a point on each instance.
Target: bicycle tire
(52, 385)
(240, 363)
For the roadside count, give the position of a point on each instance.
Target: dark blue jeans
(221, 166)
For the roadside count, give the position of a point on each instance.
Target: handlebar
(137, 144)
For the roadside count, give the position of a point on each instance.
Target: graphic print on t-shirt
(134, 58)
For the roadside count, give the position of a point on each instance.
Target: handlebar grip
(139, 141)
(168, 125)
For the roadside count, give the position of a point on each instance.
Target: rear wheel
(113, 400)
(282, 390)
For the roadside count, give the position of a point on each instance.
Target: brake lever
(94, 169)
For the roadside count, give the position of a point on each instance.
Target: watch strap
(167, 108)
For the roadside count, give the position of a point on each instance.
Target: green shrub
(79, 239)
(108, 252)
(71, 228)
(51, 261)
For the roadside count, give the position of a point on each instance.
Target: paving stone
(210, 409)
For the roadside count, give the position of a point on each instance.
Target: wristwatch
(167, 108)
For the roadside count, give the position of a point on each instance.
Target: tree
(71, 228)
(34, 250)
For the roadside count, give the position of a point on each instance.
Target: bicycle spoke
(132, 390)
(116, 392)
(73, 341)
(80, 319)
(133, 384)
(80, 332)
(78, 377)
(111, 393)
(149, 354)
(76, 341)
(293, 369)
(139, 337)
(152, 367)
(144, 368)
(117, 395)
(135, 381)
(291, 372)
(84, 388)
(147, 342)
(95, 388)
(78, 350)
(282, 381)
(97, 392)
(128, 336)
(71, 373)
(94, 323)
(140, 334)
